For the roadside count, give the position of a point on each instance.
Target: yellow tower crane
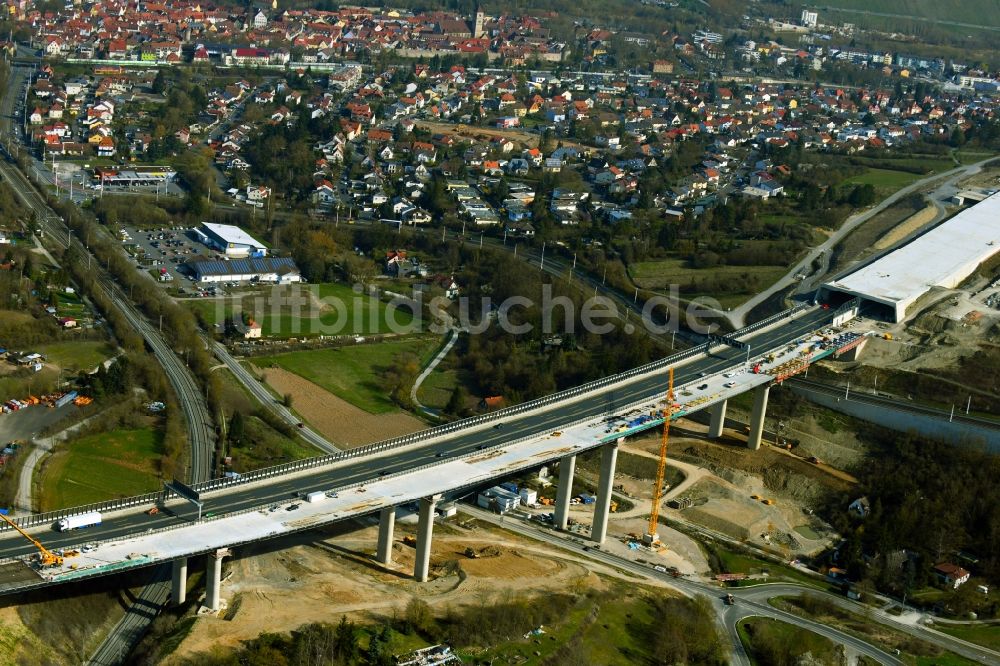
(45, 556)
(651, 537)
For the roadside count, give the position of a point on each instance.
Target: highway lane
(353, 471)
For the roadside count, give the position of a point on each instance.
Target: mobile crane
(45, 556)
(651, 538)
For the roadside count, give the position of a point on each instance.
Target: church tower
(477, 29)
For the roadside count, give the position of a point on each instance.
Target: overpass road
(463, 442)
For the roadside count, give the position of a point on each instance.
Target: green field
(764, 637)
(74, 356)
(975, 12)
(310, 310)
(985, 635)
(885, 181)
(658, 275)
(355, 373)
(973, 155)
(100, 467)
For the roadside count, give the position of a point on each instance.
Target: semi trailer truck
(89, 519)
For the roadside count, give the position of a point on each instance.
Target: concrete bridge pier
(757, 416)
(425, 530)
(609, 457)
(718, 421)
(213, 577)
(567, 467)
(178, 582)
(386, 525)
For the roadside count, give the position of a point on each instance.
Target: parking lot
(168, 248)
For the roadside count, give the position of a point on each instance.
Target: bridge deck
(257, 510)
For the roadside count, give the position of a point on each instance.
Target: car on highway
(498, 426)
(703, 387)
(730, 384)
(442, 454)
(292, 507)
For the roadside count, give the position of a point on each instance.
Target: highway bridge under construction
(448, 461)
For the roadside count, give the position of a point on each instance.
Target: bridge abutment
(609, 457)
(425, 532)
(386, 526)
(718, 421)
(760, 395)
(567, 468)
(178, 582)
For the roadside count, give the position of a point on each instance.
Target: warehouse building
(942, 257)
(280, 270)
(230, 240)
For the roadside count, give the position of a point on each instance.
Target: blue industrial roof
(243, 266)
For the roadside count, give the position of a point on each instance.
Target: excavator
(45, 556)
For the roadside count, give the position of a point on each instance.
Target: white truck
(89, 519)
(315, 496)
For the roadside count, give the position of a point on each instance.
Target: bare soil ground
(519, 136)
(905, 228)
(723, 493)
(988, 178)
(336, 419)
(320, 576)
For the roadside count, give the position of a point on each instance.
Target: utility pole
(968, 405)
(847, 391)
(541, 264)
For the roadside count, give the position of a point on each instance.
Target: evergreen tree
(236, 429)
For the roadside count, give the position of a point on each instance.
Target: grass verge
(981, 634)
(769, 641)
